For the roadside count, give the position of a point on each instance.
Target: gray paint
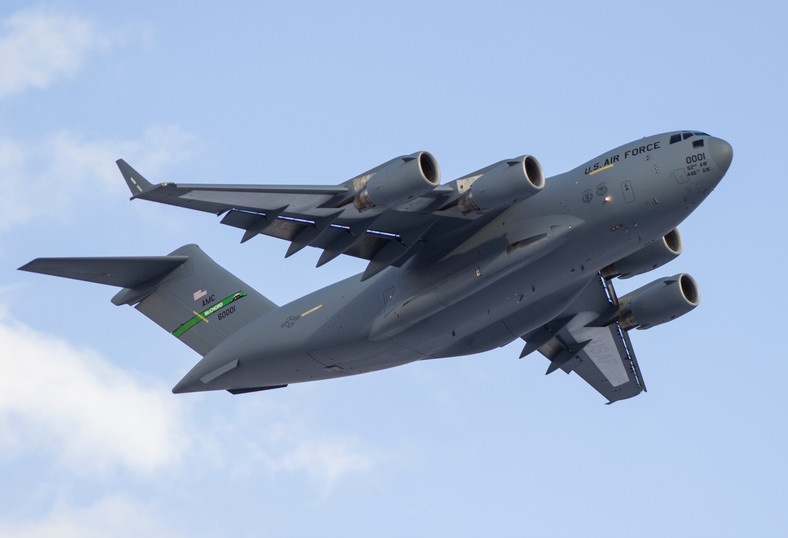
(442, 280)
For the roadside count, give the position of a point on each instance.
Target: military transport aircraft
(454, 269)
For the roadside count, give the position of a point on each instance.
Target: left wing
(322, 216)
(582, 340)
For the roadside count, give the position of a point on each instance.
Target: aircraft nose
(722, 154)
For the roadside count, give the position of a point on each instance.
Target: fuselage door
(629, 194)
(388, 297)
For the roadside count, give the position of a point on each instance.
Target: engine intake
(661, 301)
(397, 181)
(648, 258)
(505, 183)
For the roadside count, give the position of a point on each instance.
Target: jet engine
(658, 253)
(503, 184)
(397, 181)
(656, 303)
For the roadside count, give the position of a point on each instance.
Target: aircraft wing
(316, 215)
(579, 341)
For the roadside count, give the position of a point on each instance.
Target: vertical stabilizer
(186, 293)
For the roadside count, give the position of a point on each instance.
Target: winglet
(137, 184)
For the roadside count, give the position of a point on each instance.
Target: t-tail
(186, 293)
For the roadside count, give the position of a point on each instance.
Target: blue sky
(92, 442)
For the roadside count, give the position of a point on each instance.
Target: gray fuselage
(517, 272)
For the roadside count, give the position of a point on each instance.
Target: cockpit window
(678, 137)
(697, 143)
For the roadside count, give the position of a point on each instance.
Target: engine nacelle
(507, 182)
(658, 253)
(397, 182)
(659, 302)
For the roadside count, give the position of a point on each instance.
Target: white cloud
(325, 461)
(91, 414)
(55, 172)
(74, 161)
(37, 46)
(12, 164)
(113, 516)
(288, 445)
(80, 418)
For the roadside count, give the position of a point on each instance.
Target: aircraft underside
(453, 269)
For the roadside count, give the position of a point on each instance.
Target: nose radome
(722, 154)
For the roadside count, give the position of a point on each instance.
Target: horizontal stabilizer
(124, 272)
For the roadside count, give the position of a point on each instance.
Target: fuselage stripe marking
(312, 310)
(600, 169)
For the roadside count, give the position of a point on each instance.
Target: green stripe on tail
(202, 316)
